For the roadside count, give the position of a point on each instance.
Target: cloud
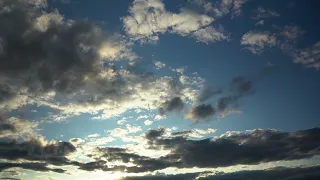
(206, 92)
(260, 23)
(149, 18)
(120, 132)
(148, 122)
(37, 150)
(159, 65)
(233, 148)
(98, 141)
(142, 163)
(278, 173)
(200, 112)
(232, 5)
(15, 127)
(262, 13)
(30, 166)
(227, 102)
(70, 67)
(309, 57)
(194, 133)
(76, 141)
(220, 8)
(257, 41)
(241, 85)
(93, 135)
(173, 105)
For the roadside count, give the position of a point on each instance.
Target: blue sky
(86, 84)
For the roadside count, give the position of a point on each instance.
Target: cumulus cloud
(69, 66)
(159, 65)
(257, 41)
(149, 18)
(148, 122)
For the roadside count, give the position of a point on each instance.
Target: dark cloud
(241, 85)
(59, 55)
(182, 133)
(253, 147)
(155, 133)
(233, 148)
(227, 102)
(30, 166)
(35, 150)
(42, 52)
(173, 105)
(200, 112)
(279, 173)
(6, 127)
(143, 163)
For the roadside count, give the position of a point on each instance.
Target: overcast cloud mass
(158, 89)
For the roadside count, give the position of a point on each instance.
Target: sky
(159, 89)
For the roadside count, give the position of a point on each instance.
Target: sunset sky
(159, 89)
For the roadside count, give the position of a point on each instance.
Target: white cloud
(180, 70)
(159, 117)
(262, 13)
(260, 23)
(148, 122)
(133, 129)
(233, 6)
(142, 117)
(118, 132)
(200, 133)
(159, 65)
(209, 34)
(309, 57)
(121, 122)
(93, 135)
(149, 18)
(121, 132)
(99, 141)
(257, 41)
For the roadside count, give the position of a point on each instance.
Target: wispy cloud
(257, 41)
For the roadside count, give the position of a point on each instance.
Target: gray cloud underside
(30, 166)
(35, 150)
(233, 148)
